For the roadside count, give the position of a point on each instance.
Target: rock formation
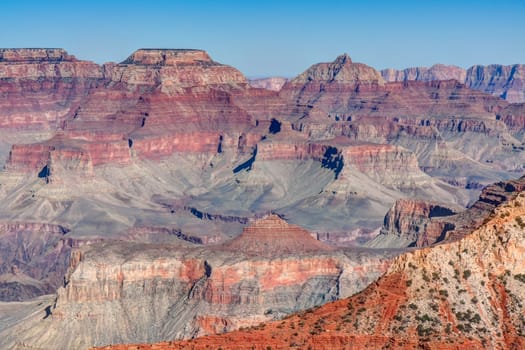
(115, 292)
(506, 82)
(436, 72)
(464, 294)
(272, 236)
(140, 178)
(421, 223)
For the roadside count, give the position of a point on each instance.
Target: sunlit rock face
(507, 82)
(165, 190)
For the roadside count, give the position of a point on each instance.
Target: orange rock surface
(468, 294)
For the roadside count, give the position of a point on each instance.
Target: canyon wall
(502, 81)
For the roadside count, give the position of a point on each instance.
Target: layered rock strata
(116, 292)
(464, 294)
(502, 81)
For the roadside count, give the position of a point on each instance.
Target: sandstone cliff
(436, 72)
(171, 147)
(124, 292)
(467, 294)
(506, 82)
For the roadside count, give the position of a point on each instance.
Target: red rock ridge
(467, 294)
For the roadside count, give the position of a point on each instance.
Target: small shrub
(520, 277)
(448, 329)
(520, 222)
(466, 274)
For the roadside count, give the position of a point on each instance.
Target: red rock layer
(274, 236)
(463, 295)
(156, 102)
(413, 220)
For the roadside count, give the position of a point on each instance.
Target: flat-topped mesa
(175, 70)
(436, 72)
(342, 70)
(168, 57)
(272, 236)
(35, 55)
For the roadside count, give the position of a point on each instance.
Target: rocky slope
(506, 82)
(170, 144)
(422, 223)
(162, 160)
(122, 292)
(467, 294)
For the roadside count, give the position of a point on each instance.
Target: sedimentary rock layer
(464, 294)
(122, 292)
(502, 81)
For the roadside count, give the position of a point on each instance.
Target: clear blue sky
(264, 38)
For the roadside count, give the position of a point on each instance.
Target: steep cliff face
(436, 72)
(410, 222)
(422, 223)
(502, 81)
(146, 99)
(114, 293)
(464, 294)
(507, 82)
(40, 86)
(34, 259)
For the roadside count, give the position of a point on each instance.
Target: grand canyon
(169, 202)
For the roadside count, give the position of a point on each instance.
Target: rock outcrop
(155, 164)
(506, 82)
(115, 292)
(272, 236)
(422, 223)
(410, 222)
(464, 294)
(436, 72)
(34, 259)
